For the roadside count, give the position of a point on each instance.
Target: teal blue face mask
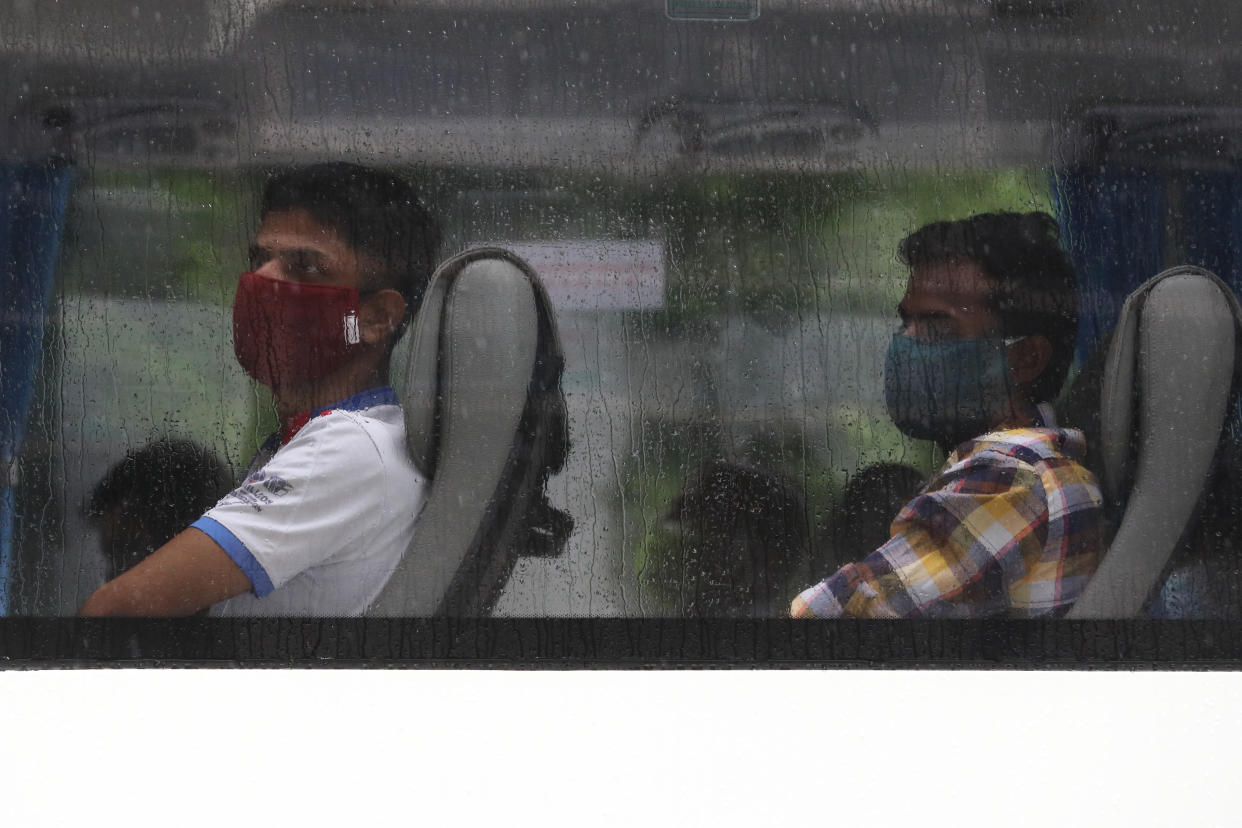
(948, 391)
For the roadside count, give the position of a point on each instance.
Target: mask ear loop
(352, 334)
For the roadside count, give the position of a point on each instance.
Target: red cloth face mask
(292, 333)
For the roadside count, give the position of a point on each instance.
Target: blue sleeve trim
(235, 549)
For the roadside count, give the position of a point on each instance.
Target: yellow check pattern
(1012, 525)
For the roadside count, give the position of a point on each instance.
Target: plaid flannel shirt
(1011, 525)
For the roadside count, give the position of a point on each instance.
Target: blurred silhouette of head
(743, 533)
(150, 496)
(872, 498)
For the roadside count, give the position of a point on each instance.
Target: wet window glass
(704, 208)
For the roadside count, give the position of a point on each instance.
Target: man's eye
(926, 330)
(258, 258)
(304, 266)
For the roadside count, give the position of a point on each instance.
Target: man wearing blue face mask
(1011, 525)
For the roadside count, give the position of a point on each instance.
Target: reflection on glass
(713, 205)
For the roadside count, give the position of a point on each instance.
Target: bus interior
(711, 192)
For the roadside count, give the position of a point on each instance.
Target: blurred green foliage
(179, 235)
(778, 249)
(138, 240)
(783, 249)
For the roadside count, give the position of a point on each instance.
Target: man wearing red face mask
(338, 266)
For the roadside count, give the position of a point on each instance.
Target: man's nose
(272, 269)
(913, 330)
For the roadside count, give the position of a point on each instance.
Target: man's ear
(380, 316)
(1029, 357)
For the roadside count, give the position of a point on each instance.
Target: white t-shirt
(319, 527)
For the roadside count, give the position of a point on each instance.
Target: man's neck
(1022, 413)
(292, 402)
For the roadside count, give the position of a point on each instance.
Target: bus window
(714, 207)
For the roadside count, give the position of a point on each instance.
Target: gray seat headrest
(1164, 400)
(469, 309)
(472, 356)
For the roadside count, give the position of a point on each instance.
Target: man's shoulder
(363, 442)
(1030, 458)
(351, 424)
(1031, 446)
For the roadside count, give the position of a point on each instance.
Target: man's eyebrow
(304, 253)
(290, 252)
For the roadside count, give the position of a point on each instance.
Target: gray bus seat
(1164, 400)
(486, 424)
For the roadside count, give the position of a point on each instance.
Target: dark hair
(743, 534)
(157, 490)
(1036, 289)
(872, 498)
(374, 212)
